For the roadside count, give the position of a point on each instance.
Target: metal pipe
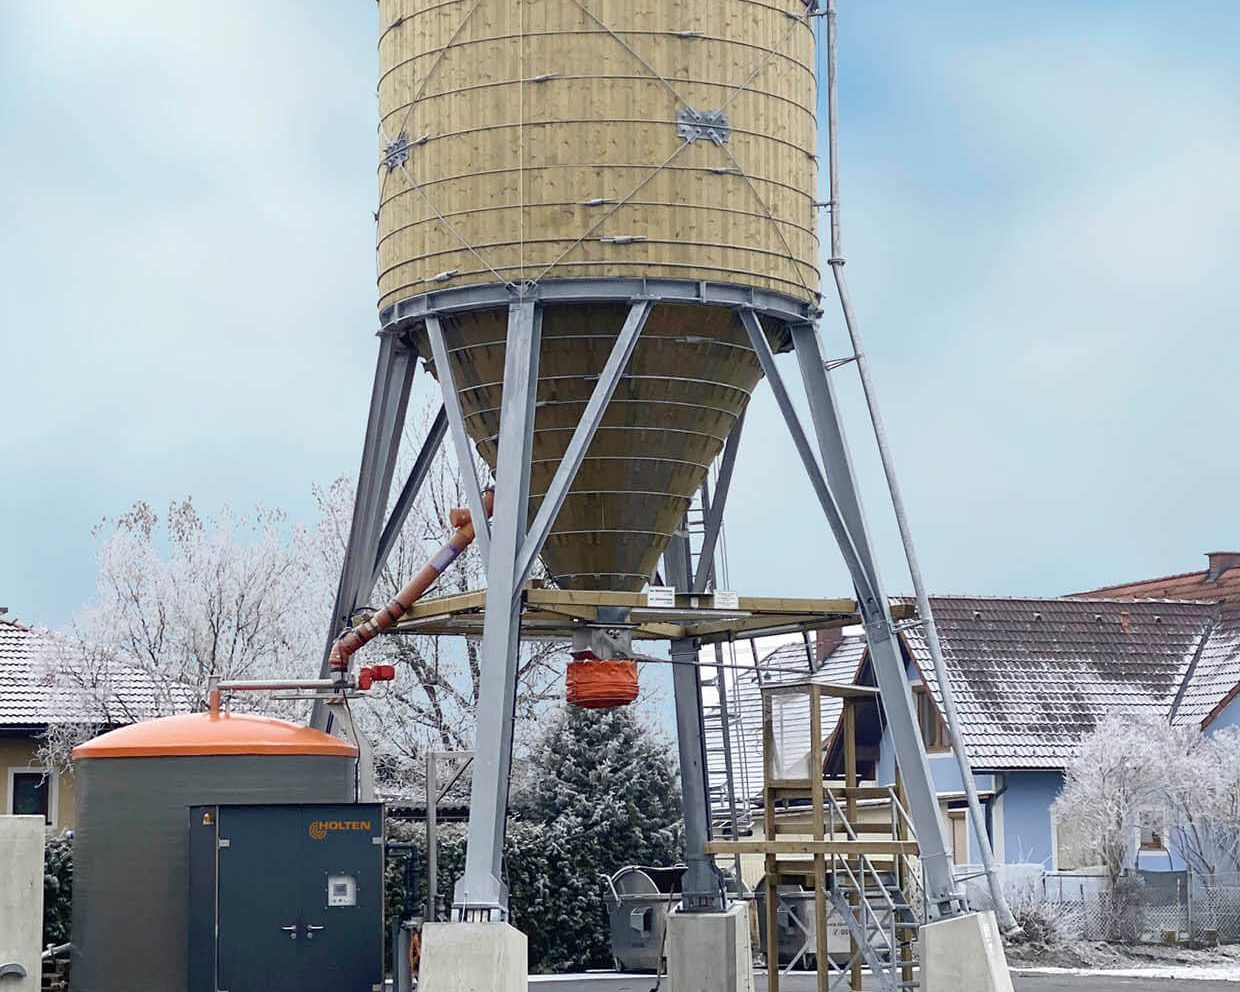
(354, 638)
(1007, 922)
(261, 685)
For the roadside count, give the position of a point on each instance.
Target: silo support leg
(389, 401)
(481, 894)
(835, 485)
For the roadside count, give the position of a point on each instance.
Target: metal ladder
(723, 734)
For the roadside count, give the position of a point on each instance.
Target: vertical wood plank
(819, 831)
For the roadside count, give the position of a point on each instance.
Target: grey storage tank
(134, 789)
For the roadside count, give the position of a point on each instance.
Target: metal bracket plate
(396, 151)
(709, 125)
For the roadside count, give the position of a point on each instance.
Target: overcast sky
(1041, 220)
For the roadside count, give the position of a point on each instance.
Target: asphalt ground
(805, 982)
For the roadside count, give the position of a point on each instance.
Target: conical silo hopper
(588, 154)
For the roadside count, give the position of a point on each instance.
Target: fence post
(1188, 880)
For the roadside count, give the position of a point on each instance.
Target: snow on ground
(1187, 972)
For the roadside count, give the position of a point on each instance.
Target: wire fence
(1149, 907)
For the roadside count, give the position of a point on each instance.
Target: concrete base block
(473, 957)
(21, 903)
(709, 952)
(964, 954)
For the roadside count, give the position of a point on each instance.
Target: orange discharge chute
(600, 685)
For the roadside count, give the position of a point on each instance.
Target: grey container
(639, 900)
(796, 922)
(134, 790)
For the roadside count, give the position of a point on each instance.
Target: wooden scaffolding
(851, 845)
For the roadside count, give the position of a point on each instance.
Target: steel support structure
(835, 484)
(371, 536)
(1003, 912)
(701, 885)
(481, 893)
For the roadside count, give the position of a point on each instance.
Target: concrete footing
(21, 903)
(964, 954)
(473, 957)
(709, 952)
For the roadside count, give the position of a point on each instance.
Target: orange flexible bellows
(601, 685)
(351, 640)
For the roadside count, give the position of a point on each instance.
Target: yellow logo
(319, 829)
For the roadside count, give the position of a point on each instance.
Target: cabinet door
(261, 928)
(342, 898)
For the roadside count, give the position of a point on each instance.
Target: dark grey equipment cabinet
(286, 898)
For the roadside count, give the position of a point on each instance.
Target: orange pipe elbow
(348, 643)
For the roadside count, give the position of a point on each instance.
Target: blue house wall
(1025, 807)
(1230, 717)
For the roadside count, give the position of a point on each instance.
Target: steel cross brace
(834, 482)
(366, 550)
(481, 893)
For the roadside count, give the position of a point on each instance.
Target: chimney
(826, 641)
(1220, 562)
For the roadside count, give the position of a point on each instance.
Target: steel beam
(480, 893)
(701, 886)
(409, 492)
(714, 512)
(574, 454)
(884, 647)
(460, 436)
(778, 306)
(818, 480)
(389, 400)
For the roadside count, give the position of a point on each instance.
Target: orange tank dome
(194, 734)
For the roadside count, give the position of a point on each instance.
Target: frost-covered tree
(602, 792)
(1113, 777)
(177, 598)
(1201, 783)
(181, 596)
(1133, 766)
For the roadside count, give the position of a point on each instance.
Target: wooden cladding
(538, 129)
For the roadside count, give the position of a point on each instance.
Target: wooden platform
(555, 613)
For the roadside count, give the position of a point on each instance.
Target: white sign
(726, 600)
(661, 596)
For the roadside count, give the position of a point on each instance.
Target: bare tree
(177, 599)
(1131, 767)
(1111, 780)
(181, 597)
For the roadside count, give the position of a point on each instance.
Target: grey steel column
(389, 401)
(835, 483)
(432, 836)
(701, 887)
(480, 893)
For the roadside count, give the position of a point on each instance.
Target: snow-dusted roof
(1215, 679)
(31, 696)
(1034, 676)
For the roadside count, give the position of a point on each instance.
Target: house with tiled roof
(1032, 678)
(32, 696)
(1212, 695)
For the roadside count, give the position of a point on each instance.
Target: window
(31, 793)
(933, 729)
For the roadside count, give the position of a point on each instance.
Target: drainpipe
(1003, 913)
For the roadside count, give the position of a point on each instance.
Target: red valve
(383, 673)
(364, 677)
